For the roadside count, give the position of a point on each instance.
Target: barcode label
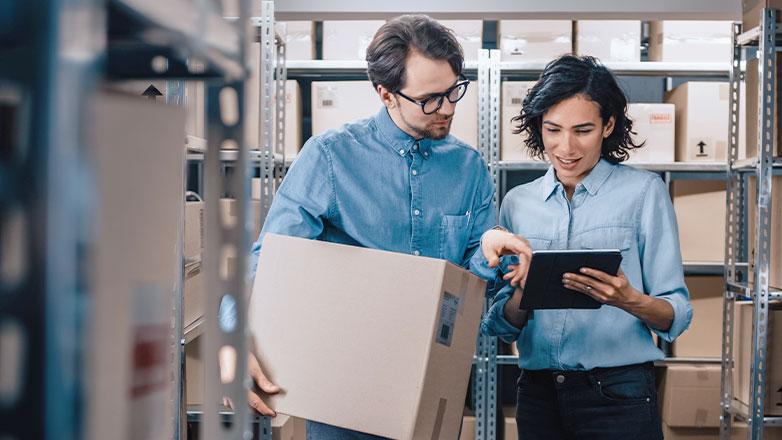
(327, 103)
(445, 325)
(516, 101)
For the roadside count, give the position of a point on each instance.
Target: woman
(587, 373)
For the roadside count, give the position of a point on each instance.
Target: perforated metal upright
(758, 290)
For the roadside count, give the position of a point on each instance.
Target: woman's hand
(607, 289)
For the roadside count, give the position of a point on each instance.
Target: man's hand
(495, 243)
(227, 372)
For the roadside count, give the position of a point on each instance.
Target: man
(396, 181)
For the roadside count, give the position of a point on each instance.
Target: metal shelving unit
(763, 166)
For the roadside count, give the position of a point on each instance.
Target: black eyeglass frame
(441, 96)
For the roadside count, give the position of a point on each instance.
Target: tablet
(544, 289)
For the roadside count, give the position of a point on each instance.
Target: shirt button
(426, 153)
(401, 151)
(560, 378)
(415, 147)
(416, 253)
(417, 212)
(415, 173)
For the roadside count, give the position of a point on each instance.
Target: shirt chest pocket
(615, 237)
(453, 237)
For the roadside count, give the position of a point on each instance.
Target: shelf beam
(512, 9)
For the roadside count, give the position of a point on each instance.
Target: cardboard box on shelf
(194, 372)
(611, 40)
(703, 339)
(751, 10)
(689, 433)
(195, 106)
(299, 40)
(283, 427)
(775, 240)
(701, 120)
(299, 429)
(468, 425)
(194, 230)
(689, 396)
(512, 147)
(228, 214)
(738, 431)
(137, 155)
(534, 40)
(700, 214)
(292, 129)
(751, 82)
(742, 356)
(509, 418)
(465, 117)
(339, 102)
(691, 41)
(469, 33)
(348, 39)
(655, 125)
(398, 350)
(192, 294)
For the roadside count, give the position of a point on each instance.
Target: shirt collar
(591, 182)
(397, 139)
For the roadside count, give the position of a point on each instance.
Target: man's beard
(430, 131)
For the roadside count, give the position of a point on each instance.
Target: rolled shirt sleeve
(661, 260)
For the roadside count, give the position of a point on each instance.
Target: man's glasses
(433, 103)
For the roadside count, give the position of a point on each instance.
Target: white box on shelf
(348, 39)
(300, 40)
(699, 41)
(535, 40)
(512, 147)
(609, 40)
(465, 118)
(653, 124)
(469, 33)
(701, 120)
(339, 102)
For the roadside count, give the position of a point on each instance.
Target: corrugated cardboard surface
(691, 41)
(534, 40)
(775, 240)
(509, 419)
(690, 396)
(374, 322)
(700, 214)
(612, 40)
(703, 339)
(136, 264)
(655, 125)
(751, 11)
(742, 350)
(701, 120)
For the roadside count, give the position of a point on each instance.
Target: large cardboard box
(775, 240)
(135, 261)
(655, 125)
(751, 10)
(752, 89)
(703, 339)
(468, 426)
(680, 433)
(397, 350)
(348, 39)
(701, 121)
(739, 431)
(512, 147)
(610, 40)
(194, 373)
(742, 356)
(700, 214)
(299, 40)
(691, 41)
(465, 117)
(469, 33)
(509, 421)
(535, 40)
(689, 396)
(339, 102)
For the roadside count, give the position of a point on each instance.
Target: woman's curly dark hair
(568, 76)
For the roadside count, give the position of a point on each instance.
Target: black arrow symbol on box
(701, 144)
(779, 391)
(152, 92)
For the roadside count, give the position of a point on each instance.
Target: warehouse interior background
(142, 142)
